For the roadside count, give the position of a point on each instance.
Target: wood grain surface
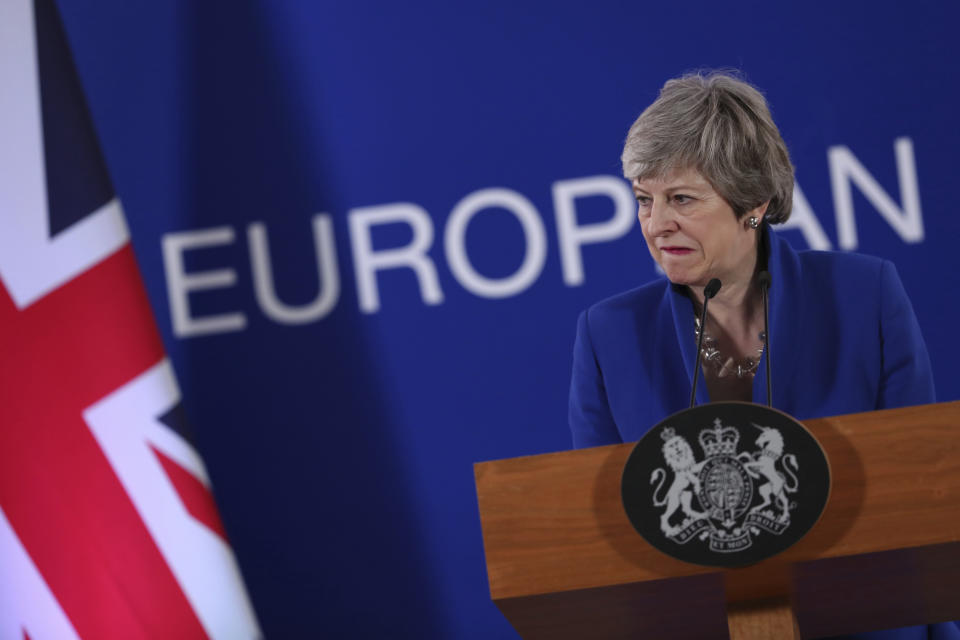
(766, 620)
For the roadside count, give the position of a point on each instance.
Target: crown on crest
(719, 441)
(667, 434)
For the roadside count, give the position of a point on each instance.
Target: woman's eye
(681, 199)
(643, 200)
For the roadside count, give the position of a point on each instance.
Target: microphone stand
(765, 280)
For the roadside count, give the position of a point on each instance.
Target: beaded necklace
(712, 357)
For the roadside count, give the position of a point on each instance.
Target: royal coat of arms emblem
(738, 497)
(723, 484)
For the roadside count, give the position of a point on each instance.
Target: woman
(711, 173)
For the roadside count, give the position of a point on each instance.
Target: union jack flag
(108, 528)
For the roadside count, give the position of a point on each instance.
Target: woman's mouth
(676, 251)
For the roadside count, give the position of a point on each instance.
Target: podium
(563, 560)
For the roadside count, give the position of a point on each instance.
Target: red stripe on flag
(195, 496)
(62, 497)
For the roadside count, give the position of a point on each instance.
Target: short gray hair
(720, 125)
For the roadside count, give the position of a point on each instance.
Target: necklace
(723, 366)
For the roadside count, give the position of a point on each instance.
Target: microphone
(708, 292)
(765, 280)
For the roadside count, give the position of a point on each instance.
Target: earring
(754, 222)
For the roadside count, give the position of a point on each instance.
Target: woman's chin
(679, 276)
(686, 279)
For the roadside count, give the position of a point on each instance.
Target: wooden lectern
(564, 561)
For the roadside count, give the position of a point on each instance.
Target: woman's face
(692, 232)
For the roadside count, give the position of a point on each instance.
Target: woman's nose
(662, 219)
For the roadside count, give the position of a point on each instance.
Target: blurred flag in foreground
(108, 528)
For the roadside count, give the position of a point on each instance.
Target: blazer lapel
(785, 291)
(683, 322)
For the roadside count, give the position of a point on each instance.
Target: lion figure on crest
(679, 457)
(764, 464)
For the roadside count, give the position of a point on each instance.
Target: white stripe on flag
(31, 263)
(26, 602)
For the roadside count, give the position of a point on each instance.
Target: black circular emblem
(725, 484)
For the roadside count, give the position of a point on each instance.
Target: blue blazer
(843, 338)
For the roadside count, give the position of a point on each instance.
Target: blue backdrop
(340, 407)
